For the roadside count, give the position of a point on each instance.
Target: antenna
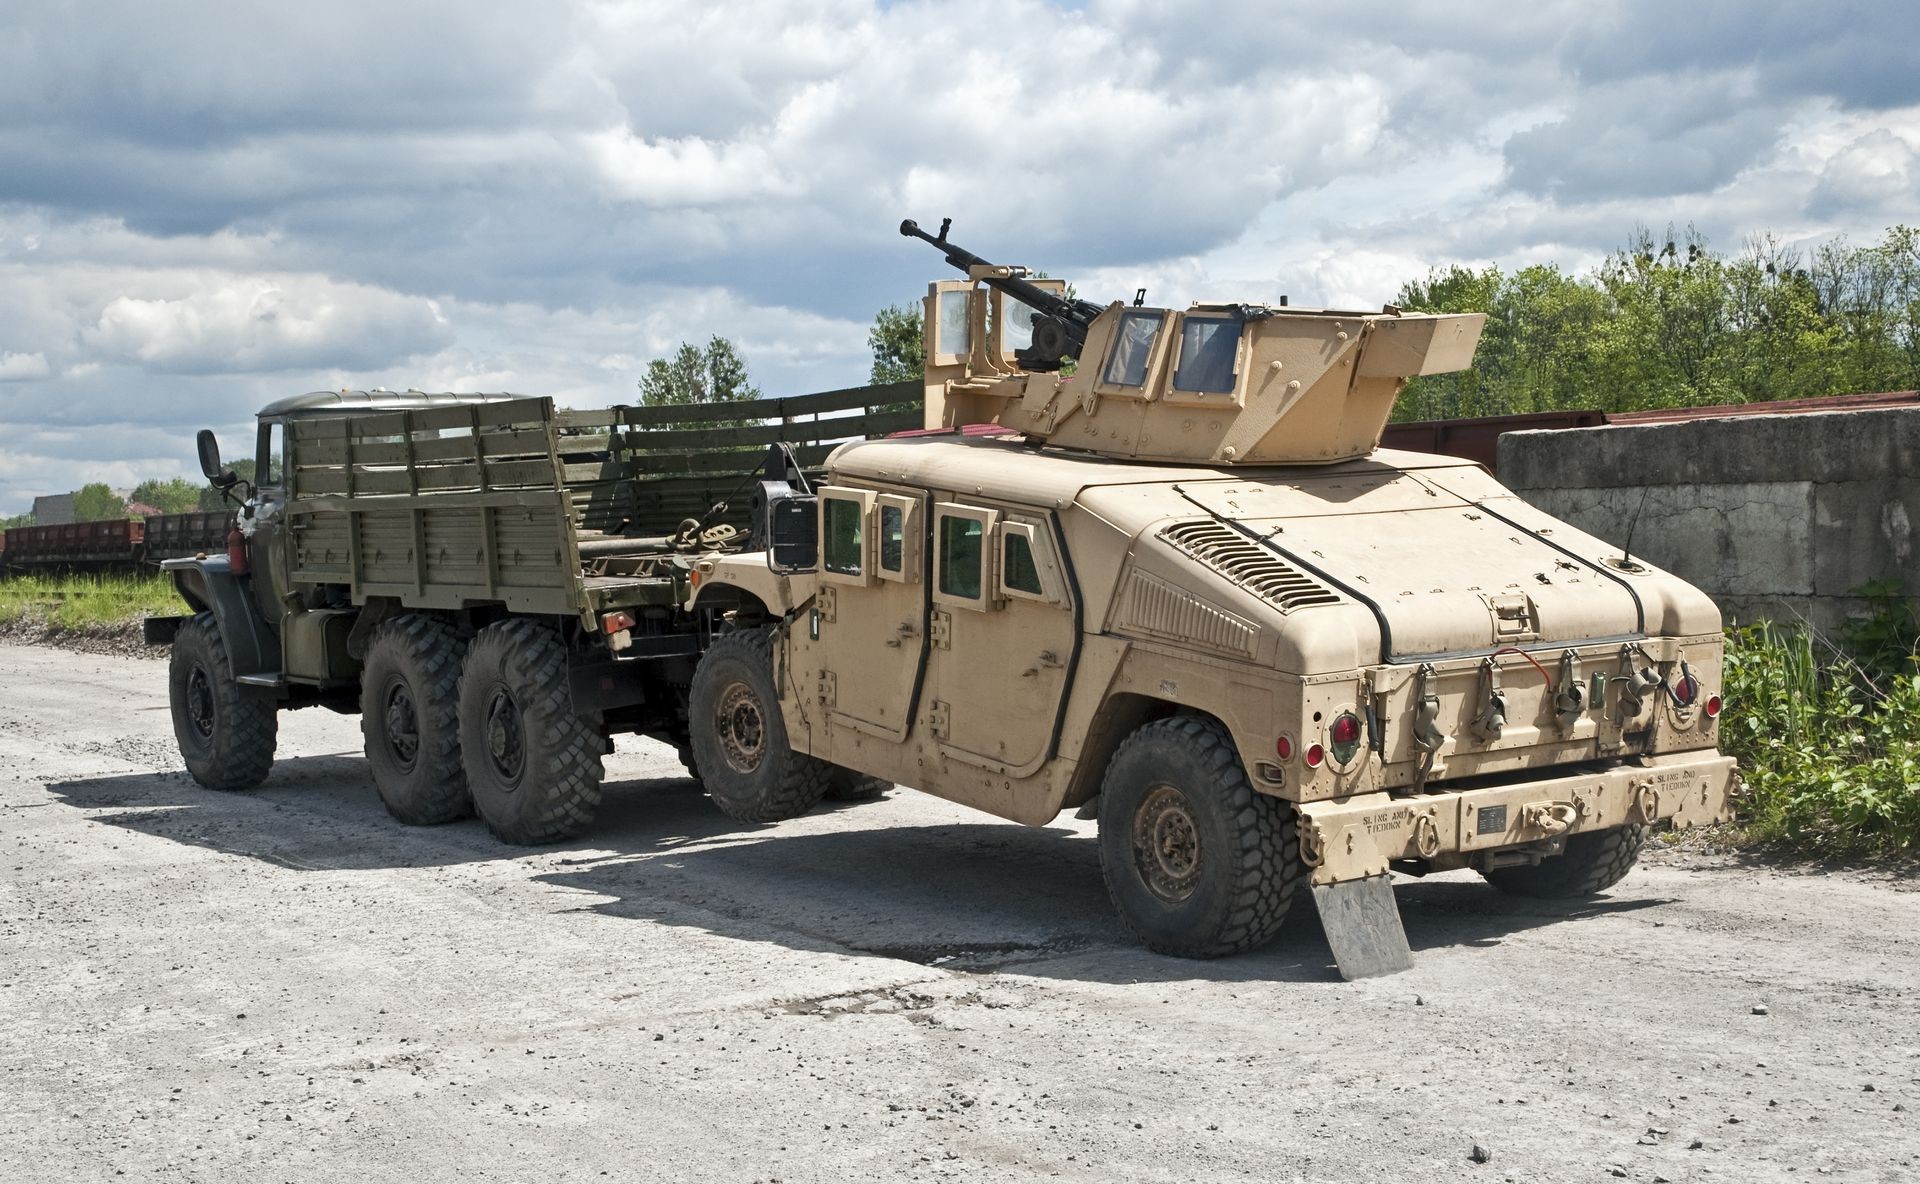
(1626, 552)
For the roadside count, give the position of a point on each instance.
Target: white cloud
(20, 367)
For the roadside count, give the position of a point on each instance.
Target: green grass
(1828, 741)
(87, 603)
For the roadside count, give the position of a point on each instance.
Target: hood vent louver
(1256, 568)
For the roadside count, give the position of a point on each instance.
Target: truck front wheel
(532, 762)
(1198, 864)
(226, 735)
(1593, 861)
(740, 742)
(410, 716)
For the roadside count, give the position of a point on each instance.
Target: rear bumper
(1355, 837)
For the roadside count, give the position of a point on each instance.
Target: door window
(1029, 569)
(846, 544)
(896, 538)
(962, 555)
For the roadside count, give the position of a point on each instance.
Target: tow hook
(1550, 818)
(1646, 803)
(1570, 701)
(1492, 719)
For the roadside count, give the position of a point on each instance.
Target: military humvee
(1175, 586)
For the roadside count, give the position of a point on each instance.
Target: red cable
(1545, 677)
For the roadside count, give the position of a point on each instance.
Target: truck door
(871, 609)
(1003, 635)
(265, 553)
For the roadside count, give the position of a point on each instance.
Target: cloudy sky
(207, 204)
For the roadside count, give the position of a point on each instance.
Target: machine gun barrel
(1073, 316)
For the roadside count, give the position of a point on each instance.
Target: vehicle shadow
(869, 879)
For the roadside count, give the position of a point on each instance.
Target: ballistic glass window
(1132, 345)
(954, 323)
(1208, 346)
(843, 555)
(1019, 572)
(961, 556)
(1017, 333)
(893, 538)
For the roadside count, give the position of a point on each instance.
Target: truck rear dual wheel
(1199, 865)
(533, 763)
(226, 735)
(1593, 861)
(740, 745)
(410, 716)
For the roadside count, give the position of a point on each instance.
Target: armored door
(869, 622)
(1003, 636)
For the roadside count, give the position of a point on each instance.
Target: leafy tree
(177, 496)
(16, 520)
(97, 503)
(715, 374)
(898, 341)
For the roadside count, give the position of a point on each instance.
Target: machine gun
(1059, 324)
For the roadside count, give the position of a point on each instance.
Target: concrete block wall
(1775, 516)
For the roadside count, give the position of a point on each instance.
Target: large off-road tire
(1198, 864)
(533, 763)
(1593, 862)
(226, 734)
(740, 742)
(845, 785)
(410, 716)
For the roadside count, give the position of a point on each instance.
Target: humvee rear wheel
(739, 738)
(410, 716)
(532, 762)
(1198, 864)
(226, 735)
(1593, 861)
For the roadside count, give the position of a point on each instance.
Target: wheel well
(1119, 717)
(716, 600)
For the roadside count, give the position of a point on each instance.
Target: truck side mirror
(220, 477)
(789, 522)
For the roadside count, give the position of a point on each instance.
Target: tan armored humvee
(1182, 591)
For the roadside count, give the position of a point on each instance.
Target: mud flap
(1362, 924)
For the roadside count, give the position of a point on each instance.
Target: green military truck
(495, 585)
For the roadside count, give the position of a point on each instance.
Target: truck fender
(209, 585)
(726, 582)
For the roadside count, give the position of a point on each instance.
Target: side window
(1132, 348)
(962, 556)
(846, 544)
(953, 335)
(897, 538)
(1029, 568)
(269, 462)
(1208, 349)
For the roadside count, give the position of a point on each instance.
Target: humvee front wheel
(1593, 861)
(410, 716)
(226, 736)
(532, 762)
(1198, 864)
(740, 742)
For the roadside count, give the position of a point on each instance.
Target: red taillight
(1345, 734)
(614, 622)
(1713, 707)
(1686, 690)
(1284, 746)
(1315, 756)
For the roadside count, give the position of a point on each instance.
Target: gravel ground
(287, 985)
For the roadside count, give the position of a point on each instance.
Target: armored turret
(1222, 384)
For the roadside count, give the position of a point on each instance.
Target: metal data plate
(1362, 924)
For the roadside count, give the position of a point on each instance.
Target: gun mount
(1224, 384)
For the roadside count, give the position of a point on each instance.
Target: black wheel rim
(402, 724)
(1166, 844)
(200, 702)
(741, 728)
(506, 742)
